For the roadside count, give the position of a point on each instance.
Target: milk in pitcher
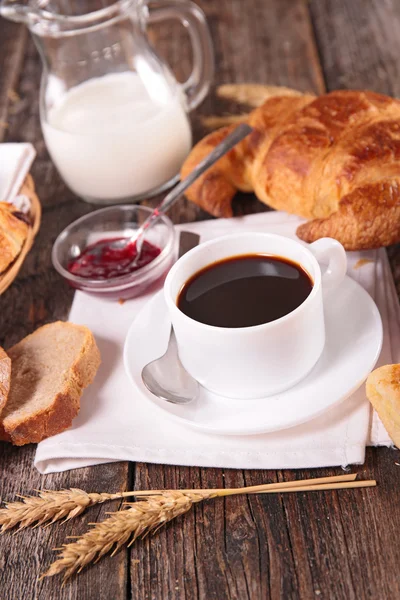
(111, 141)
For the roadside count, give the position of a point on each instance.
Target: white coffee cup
(252, 362)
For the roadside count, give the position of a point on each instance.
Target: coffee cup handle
(331, 252)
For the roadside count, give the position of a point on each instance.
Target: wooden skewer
(255, 489)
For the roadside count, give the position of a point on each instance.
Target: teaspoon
(137, 239)
(166, 377)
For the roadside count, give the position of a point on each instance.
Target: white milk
(110, 140)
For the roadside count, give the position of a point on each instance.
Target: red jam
(111, 262)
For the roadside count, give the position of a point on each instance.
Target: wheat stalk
(139, 519)
(52, 506)
(249, 94)
(49, 507)
(159, 507)
(253, 94)
(215, 122)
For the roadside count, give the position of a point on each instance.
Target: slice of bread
(383, 391)
(50, 369)
(5, 376)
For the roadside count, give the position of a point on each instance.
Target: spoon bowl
(166, 377)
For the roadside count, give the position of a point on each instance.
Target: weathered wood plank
(359, 43)
(336, 545)
(346, 535)
(24, 557)
(13, 41)
(39, 296)
(308, 545)
(236, 548)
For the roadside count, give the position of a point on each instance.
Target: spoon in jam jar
(129, 253)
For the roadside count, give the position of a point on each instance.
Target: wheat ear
(253, 94)
(139, 519)
(215, 122)
(49, 507)
(250, 94)
(52, 506)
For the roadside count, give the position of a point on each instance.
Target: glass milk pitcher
(113, 116)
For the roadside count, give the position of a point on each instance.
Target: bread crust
(334, 159)
(5, 377)
(5, 380)
(53, 420)
(57, 416)
(383, 391)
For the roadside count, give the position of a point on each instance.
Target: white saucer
(353, 343)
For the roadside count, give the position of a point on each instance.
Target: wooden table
(335, 545)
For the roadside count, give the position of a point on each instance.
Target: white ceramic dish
(353, 344)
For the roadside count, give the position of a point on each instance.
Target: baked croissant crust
(13, 233)
(334, 159)
(383, 391)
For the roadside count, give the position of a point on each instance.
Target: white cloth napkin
(15, 162)
(115, 423)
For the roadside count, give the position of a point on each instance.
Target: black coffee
(243, 291)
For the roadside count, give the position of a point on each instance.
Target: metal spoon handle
(238, 134)
(227, 144)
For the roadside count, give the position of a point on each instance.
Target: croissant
(13, 232)
(334, 159)
(383, 391)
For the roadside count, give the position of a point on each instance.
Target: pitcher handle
(194, 20)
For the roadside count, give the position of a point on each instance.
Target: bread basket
(35, 213)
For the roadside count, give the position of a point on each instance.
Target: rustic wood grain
(37, 297)
(359, 43)
(13, 41)
(301, 546)
(359, 46)
(338, 545)
(235, 548)
(24, 557)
